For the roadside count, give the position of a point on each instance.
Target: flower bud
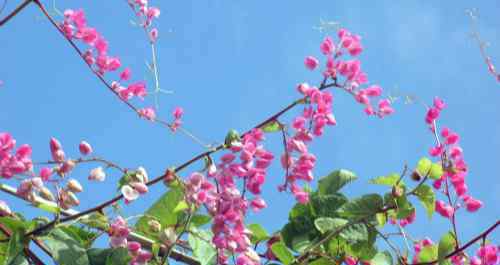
(139, 187)
(4, 209)
(416, 176)
(45, 173)
(169, 177)
(71, 199)
(58, 155)
(74, 186)
(97, 174)
(133, 247)
(85, 148)
(168, 236)
(142, 175)
(46, 194)
(397, 191)
(154, 226)
(66, 167)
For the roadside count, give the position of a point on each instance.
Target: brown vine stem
(483, 235)
(15, 12)
(29, 254)
(145, 242)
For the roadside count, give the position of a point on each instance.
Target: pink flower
(45, 173)
(129, 193)
(153, 35)
(439, 103)
(327, 46)
(178, 111)
(444, 210)
(258, 204)
(472, 204)
(489, 254)
(384, 107)
(153, 12)
(311, 63)
(125, 75)
(147, 113)
(85, 148)
(4, 209)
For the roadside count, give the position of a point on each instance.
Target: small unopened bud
(416, 176)
(46, 194)
(142, 174)
(58, 155)
(66, 167)
(168, 236)
(139, 187)
(97, 174)
(133, 247)
(85, 148)
(169, 176)
(154, 226)
(71, 199)
(37, 182)
(4, 209)
(397, 191)
(74, 186)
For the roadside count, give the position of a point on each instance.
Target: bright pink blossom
(311, 63)
(85, 148)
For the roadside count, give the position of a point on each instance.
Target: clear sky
(231, 64)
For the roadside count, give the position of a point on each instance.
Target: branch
(145, 242)
(15, 12)
(464, 247)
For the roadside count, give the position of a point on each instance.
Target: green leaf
(15, 247)
(83, 236)
(118, 256)
(423, 166)
(326, 224)
(427, 197)
(436, 171)
(162, 211)
(181, 206)
(356, 233)
(382, 258)
(446, 246)
(282, 253)
(258, 233)
(272, 126)
(381, 219)
(363, 250)
(203, 250)
(108, 256)
(96, 220)
(335, 181)
(428, 254)
(200, 219)
(327, 205)
(296, 236)
(390, 180)
(321, 261)
(65, 249)
(364, 206)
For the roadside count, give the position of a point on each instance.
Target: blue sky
(231, 64)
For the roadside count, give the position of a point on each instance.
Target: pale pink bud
(97, 174)
(4, 209)
(58, 155)
(66, 167)
(71, 199)
(54, 144)
(311, 63)
(85, 148)
(258, 204)
(74, 186)
(153, 35)
(142, 174)
(46, 194)
(147, 113)
(139, 187)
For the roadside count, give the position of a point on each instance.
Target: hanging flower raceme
(14, 162)
(455, 168)
(146, 14)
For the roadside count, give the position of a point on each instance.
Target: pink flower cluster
(247, 160)
(177, 113)
(488, 254)
(146, 14)
(456, 170)
(406, 221)
(350, 70)
(13, 163)
(418, 247)
(75, 26)
(297, 160)
(118, 233)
